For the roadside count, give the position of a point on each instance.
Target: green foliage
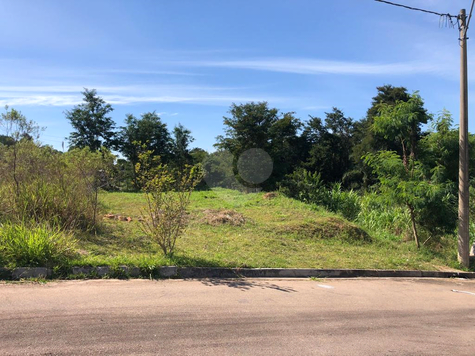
(407, 186)
(309, 187)
(148, 133)
(248, 127)
(181, 146)
(285, 147)
(329, 145)
(346, 203)
(218, 168)
(376, 214)
(401, 122)
(439, 150)
(168, 194)
(402, 177)
(38, 245)
(41, 184)
(198, 155)
(304, 186)
(255, 125)
(16, 127)
(123, 176)
(92, 127)
(367, 140)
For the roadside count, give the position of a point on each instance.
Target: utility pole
(464, 184)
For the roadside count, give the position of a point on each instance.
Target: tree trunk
(15, 178)
(404, 156)
(414, 228)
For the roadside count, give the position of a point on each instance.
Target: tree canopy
(92, 126)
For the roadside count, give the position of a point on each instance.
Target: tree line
(337, 147)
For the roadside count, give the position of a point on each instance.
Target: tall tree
(181, 146)
(286, 146)
(403, 177)
(198, 155)
(92, 126)
(329, 145)
(401, 123)
(256, 126)
(148, 133)
(248, 127)
(367, 140)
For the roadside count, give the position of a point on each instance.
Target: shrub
(377, 215)
(168, 194)
(403, 182)
(25, 246)
(308, 187)
(347, 203)
(305, 186)
(47, 186)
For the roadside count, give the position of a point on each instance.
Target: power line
(470, 16)
(422, 10)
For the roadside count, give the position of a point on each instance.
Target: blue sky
(190, 59)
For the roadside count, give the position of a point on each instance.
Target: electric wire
(417, 9)
(470, 15)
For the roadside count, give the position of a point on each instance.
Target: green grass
(31, 246)
(279, 232)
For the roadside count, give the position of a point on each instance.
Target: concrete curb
(34, 272)
(216, 272)
(197, 272)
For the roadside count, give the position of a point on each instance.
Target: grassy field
(277, 232)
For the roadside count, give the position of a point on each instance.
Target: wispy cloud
(318, 67)
(164, 113)
(146, 72)
(126, 95)
(316, 107)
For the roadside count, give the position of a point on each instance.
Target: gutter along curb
(217, 272)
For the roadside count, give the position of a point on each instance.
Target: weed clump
(25, 246)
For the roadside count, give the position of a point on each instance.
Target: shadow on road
(243, 284)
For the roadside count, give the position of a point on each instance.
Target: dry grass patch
(270, 195)
(224, 217)
(328, 228)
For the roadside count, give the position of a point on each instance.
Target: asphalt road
(243, 317)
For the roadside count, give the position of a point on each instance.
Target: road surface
(241, 317)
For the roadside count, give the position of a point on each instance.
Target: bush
(377, 215)
(168, 193)
(305, 186)
(23, 246)
(308, 187)
(347, 203)
(47, 186)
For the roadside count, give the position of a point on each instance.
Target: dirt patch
(270, 195)
(122, 217)
(330, 228)
(224, 217)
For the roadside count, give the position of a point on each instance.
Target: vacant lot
(228, 228)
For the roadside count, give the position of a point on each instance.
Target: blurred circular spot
(255, 166)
